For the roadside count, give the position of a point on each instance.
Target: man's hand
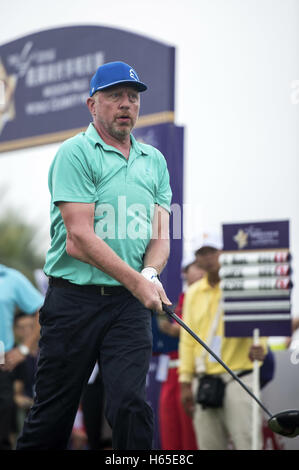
(12, 359)
(151, 275)
(257, 353)
(150, 295)
(167, 327)
(23, 402)
(187, 398)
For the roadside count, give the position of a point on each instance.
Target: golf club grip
(170, 313)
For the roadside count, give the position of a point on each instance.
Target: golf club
(285, 423)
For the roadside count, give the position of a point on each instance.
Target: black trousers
(92, 404)
(6, 409)
(76, 330)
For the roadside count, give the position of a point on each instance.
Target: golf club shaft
(203, 344)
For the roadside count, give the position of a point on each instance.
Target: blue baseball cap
(115, 73)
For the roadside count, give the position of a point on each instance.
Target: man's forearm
(90, 249)
(32, 341)
(157, 254)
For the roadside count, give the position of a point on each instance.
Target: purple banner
(254, 299)
(266, 328)
(169, 139)
(44, 80)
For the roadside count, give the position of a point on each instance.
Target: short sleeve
(27, 297)
(164, 193)
(70, 177)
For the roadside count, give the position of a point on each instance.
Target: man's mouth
(124, 118)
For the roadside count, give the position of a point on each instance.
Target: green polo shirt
(87, 170)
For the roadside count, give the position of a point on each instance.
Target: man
(15, 291)
(215, 426)
(109, 227)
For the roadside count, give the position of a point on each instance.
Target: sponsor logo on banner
(241, 238)
(55, 84)
(256, 236)
(7, 90)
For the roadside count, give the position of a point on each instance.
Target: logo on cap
(133, 75)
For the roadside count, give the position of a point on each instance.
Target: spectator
(15, 291)
(228, 419)
(23, 373)
(176, 427)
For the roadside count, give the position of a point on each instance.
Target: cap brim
(138, 85)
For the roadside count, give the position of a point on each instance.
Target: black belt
(241, 374)
(87, 288)
(244, 372)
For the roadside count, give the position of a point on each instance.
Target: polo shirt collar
(137, 147)
(93, 135)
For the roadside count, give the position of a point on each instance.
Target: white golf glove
(151, 275)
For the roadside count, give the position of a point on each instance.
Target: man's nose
(125, 101)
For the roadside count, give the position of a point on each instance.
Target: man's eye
(114, 95)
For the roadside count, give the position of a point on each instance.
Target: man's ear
(90, 104)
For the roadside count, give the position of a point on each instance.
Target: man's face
(115, 110)
(208, 259)
(193, 273)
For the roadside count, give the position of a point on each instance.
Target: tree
(17, 245)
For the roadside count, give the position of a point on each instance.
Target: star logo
(7, 89)
(241, 239)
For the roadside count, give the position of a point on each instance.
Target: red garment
(176, 427)
(179, 307)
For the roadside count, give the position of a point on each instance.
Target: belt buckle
(103, 291)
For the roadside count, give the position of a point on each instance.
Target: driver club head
(285, 423)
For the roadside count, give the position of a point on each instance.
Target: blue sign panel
(44, 81)
(256, 236)
(256, 279)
